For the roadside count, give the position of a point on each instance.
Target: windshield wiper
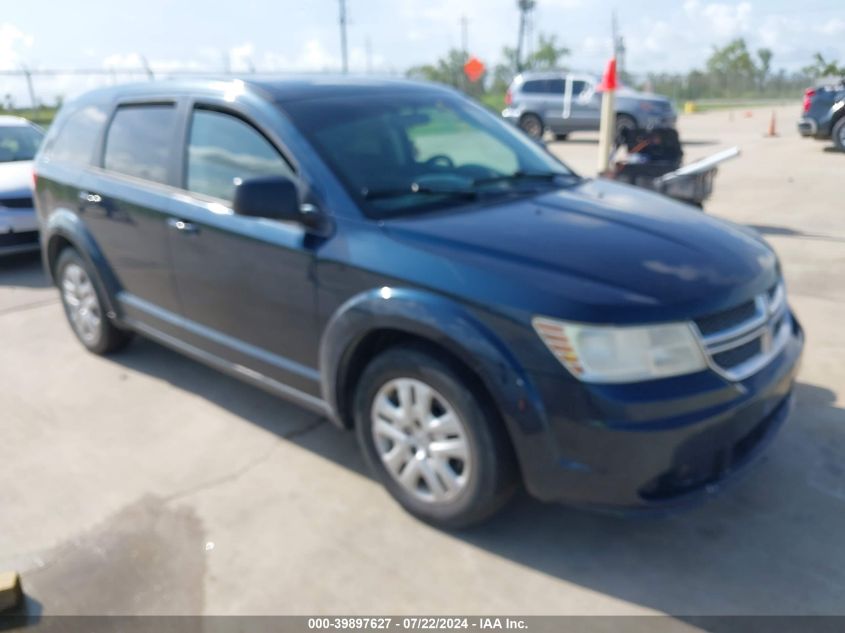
(417, 189)
(543, 176)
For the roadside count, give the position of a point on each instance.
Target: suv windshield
(18, 142)
(405, 153)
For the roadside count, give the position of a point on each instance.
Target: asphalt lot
(147, 483)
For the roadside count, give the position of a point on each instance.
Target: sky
(303, 35)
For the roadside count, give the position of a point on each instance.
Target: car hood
(630, 93)
(597, 243)
(16, 179)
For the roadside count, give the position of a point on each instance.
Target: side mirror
(277, 198)
(273, 197)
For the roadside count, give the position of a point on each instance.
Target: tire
(561, 137)
(623, 121)
(83, 299)
(532, 125)
(473, 472)
(838, 134)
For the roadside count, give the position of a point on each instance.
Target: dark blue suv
(393, 256)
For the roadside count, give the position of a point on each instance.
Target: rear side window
(138, 141)
(224, 150)
(78, 136)
(534, 86)
(578, 87)
(556, 86)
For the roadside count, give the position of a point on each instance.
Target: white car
(19, 141)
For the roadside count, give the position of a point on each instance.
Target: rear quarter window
(77, 136)
(139, 141)
(535, 86)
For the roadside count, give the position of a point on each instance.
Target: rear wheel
(430, 440)
(838, 134)
(532, 125)
(84, 306)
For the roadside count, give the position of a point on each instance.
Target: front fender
(64, 226)
(447, 325)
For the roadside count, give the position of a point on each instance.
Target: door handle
(182, 225)
(90, 198)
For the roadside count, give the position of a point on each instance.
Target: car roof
(14, 121)
(275, 88)
(535, 75)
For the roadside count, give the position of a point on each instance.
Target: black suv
(393, 256)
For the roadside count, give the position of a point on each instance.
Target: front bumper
(18, 231)
(652, 121)
(660, 444)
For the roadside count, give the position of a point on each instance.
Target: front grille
(16, 203)
(742, 340)
(738, 355)
(726, 319)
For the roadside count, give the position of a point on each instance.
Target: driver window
(439, 135)
(224, 149)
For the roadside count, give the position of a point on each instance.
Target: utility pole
(618, 45)
(28, 75)
(147, 68)
(345, 63)
(525, 7)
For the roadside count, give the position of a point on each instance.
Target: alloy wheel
(82, 304)
(421, 440)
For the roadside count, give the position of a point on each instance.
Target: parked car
(566, 102)
(19, 140)
(823, 114)
(393, 256)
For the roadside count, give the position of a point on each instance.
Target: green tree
(822, 67)
(732, 68)
(765, 56)
(547, 55)
(449, 70)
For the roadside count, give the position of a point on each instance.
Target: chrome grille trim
(771, 324)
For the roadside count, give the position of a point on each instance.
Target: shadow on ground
(784, 231)
(23, 270)
(770, 544)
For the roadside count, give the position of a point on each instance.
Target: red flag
(608, 80)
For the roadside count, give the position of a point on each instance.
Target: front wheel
(439, 452)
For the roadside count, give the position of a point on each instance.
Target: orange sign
(474, 69)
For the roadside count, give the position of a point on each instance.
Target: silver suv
(568, 102)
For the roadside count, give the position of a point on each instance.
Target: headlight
(609, 354)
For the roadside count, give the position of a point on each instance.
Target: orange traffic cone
(772, 126)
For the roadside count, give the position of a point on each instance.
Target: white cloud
(835, 26)
(719, 18)
(13, 44)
